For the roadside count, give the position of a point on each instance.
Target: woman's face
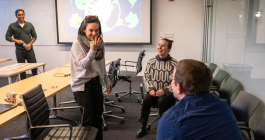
(92, 30)
(162, 48)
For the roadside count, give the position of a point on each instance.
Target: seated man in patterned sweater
(157, 83)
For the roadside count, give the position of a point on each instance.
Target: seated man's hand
(152, 93)
(160, 93)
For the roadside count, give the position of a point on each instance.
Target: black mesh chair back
(113, 72)
(212, 67)
(260, 131)
(139, 61)
(231, 88)
(113, 76)
(219, 78)
(244, 106)
(37, 110)
(38, 114)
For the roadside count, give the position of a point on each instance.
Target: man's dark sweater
(26, 34)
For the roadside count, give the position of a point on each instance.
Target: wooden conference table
(10, 70)
(4, 60)
(47, 80)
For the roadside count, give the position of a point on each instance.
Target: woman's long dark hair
(87, 20)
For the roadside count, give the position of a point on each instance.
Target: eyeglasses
(171, 77)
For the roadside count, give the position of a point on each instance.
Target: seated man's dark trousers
(163, 103)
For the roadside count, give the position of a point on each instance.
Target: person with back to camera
(88, 72)
(199, 114)
(157, 83)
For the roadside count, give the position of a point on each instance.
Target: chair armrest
(214, 88)
(245, 128)
(71, 107)
(241, 123)
(62, 108)
(18, 138)
(127, 65)
(130, 61)
(52, 126)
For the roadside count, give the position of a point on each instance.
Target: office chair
(230, 90)
(112, 73)
(126, 75)
(243, 107)
(259, 133)
(212, 67)
(218, 80)
(40, 128)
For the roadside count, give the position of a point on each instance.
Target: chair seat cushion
(78, 133)
(127, 74)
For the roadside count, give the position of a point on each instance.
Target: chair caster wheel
(122, 110)
(119, 99)
(106, 99)
(139, 101)
(104, 128)
(148, 127)
(116, 94)
(140, 119)
(122, 121)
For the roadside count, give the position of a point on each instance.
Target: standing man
(24, 35)
(199, 114)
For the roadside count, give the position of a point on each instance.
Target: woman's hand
(160, 93)
(94, 44)
(107, 90)
(152, 93)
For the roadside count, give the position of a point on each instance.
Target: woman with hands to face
(88, 72)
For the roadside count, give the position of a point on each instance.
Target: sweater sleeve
(9, 34)
(83, 60)
(147, 78)
(168, 90)
(33, 33)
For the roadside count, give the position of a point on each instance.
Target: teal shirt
(26, 34)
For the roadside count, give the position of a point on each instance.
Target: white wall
(184, 18)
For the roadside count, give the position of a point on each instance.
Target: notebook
(6, 107)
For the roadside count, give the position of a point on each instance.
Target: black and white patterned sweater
(156, 75)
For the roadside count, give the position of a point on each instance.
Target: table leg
(19, 78)
(25, 136)
(56, 116)
(9, 80)
(43, 68)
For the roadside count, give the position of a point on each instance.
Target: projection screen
(122, 21)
